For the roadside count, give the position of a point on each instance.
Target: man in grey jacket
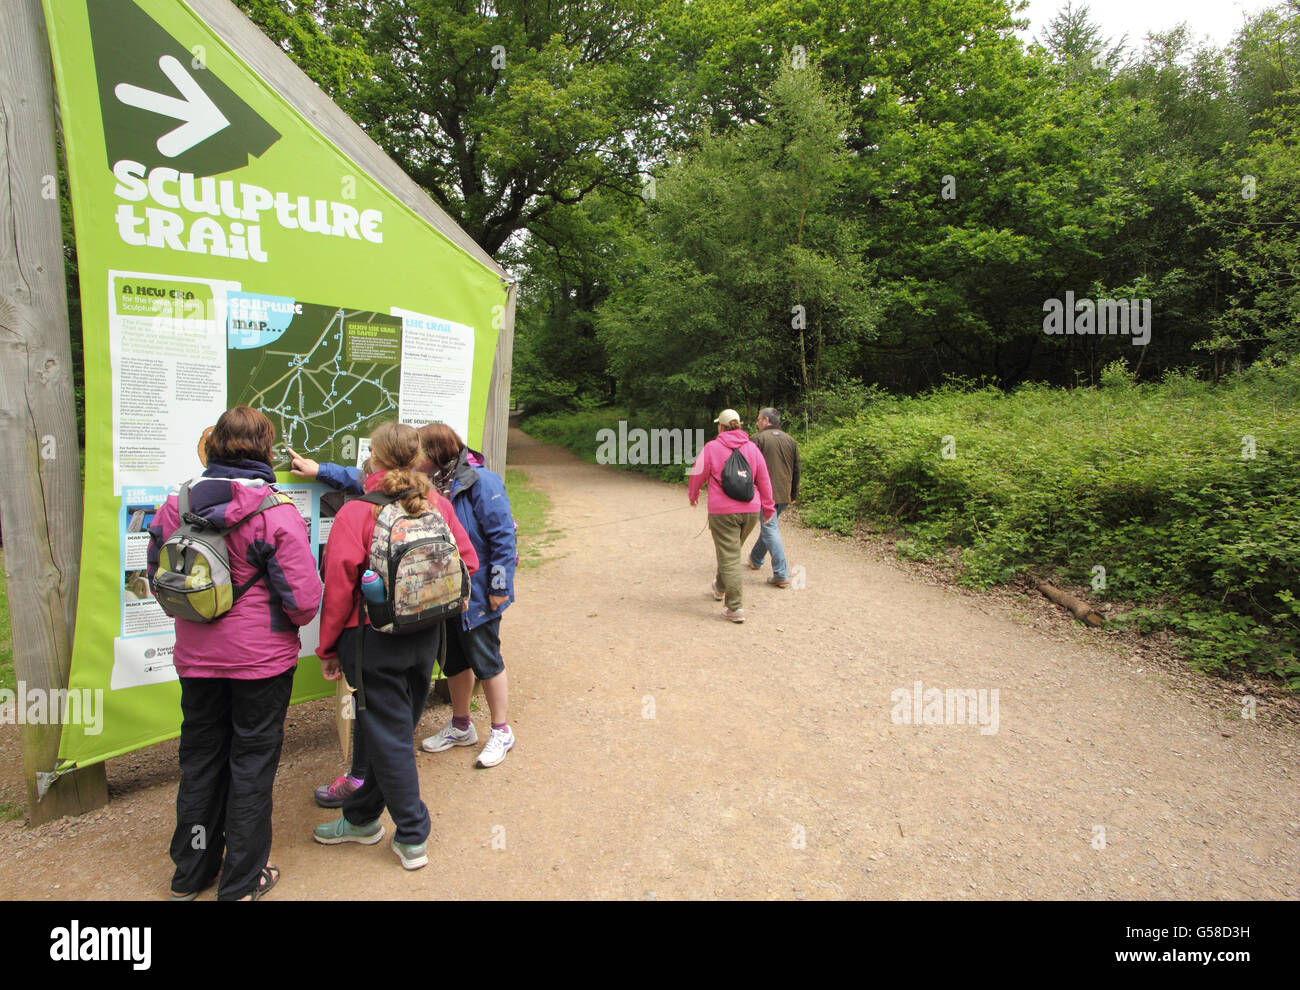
(781, 453)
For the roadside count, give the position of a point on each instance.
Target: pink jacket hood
(258, 637)
(708, 470)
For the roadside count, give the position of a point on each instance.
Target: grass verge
(531, 509)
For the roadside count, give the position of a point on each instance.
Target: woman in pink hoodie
(236, 672)
(731, 521)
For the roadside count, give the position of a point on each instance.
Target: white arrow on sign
(202, 117)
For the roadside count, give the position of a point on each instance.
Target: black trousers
(231, 735)
(396, 674)
(360, 760)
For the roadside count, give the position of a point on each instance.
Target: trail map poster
(229, 254)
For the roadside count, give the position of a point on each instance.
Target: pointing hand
(304, 467)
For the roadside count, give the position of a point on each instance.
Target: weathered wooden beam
(496, 425)
(40, 473)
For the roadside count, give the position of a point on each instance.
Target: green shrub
(1117, 374)
(1157, 484)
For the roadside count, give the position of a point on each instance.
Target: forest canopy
(703, 201)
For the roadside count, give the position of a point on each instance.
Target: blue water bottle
(372, 586)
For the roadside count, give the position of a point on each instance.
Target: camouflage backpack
(424, 578)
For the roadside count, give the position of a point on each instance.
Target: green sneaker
(412, 856)
(342, 830)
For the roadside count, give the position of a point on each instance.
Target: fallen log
(1084, 612)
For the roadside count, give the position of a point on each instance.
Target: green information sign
(229, 254)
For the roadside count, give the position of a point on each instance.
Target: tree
(750, 282)
(1074, 40)
(570, 260)
(984, 203)
(1182, 115)
(1266, 60)
(1252, 211)
(503, 112)
(1257, 220)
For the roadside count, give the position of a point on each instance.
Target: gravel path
(666, 753)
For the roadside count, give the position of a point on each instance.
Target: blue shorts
(478, 649)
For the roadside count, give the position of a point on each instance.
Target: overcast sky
(1216, 18)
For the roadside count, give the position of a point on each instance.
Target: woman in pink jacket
(236, 672)
(731, 521)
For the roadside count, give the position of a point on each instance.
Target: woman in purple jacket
(236, 673)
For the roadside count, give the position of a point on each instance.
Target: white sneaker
(498, 745)
(449, 736)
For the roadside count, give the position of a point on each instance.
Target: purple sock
(460, 723)
(501, 726)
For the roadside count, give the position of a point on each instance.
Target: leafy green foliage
(573, 263)
(1256, 217)
(1185, 493)
(746, 278)
(505, 112)
(920, 180)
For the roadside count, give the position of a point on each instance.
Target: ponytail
(397, 447)
(414, 483)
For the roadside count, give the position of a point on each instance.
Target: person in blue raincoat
(483, 508)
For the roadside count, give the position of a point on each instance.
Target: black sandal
(269, 878)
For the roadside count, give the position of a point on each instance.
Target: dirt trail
(762, 734)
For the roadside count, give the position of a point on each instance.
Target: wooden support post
(496, 425)
(40, 473)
